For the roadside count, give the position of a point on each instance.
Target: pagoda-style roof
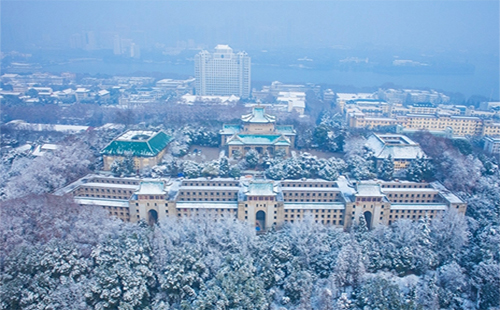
(258, 115)
(258, 140)
(142, 143)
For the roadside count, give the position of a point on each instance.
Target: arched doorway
(368, 219)
(260, 221)
(152, 217)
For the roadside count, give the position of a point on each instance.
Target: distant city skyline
(425, 25)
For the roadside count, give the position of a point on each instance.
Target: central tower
(222, 73)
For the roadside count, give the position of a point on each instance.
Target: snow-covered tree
(419, 170)
(252, 158)
(386, 170)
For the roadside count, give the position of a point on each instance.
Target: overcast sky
(426, 25)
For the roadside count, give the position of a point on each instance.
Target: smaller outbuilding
(145, 147)
(400, 148)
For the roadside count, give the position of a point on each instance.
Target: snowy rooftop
(370, 189)
(449, 196)
(151, 188)
(261, 188)
(110, 185)
(258, 139)
(136, 135)
(352, 96)
(396, 146)
(258, 115)
(419, 206)
(138, 143)
(102, 202)
(49, 127)
(409, 190)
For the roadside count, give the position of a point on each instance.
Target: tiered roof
(142, 143)
(258, 115)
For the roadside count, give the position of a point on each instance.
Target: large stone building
(265, 203)
(146, 147)
(222, 73)
(259, 132)
(400, 148)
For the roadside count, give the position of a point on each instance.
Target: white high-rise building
(222, 72)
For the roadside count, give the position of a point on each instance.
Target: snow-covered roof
(261, 188)
(138, 143)
(353, 96)
(419, 206)
(258, 115)
(346, 188)
(151, 188)
(369, 189)
(21, 125)
(191, 99)
(110, 185)
(258, 139)
(102, 202)
(396, 146)
(449, 196)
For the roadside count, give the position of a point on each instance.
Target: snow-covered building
(146, 147)
(296, 101)
(492, 145)
(258, 132)
(266, 203)
(400, 148)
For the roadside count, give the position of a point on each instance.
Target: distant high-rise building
(117, 48)
(222, 72)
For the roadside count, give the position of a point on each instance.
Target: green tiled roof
(258, 139)
(138, 144)
(258, 115)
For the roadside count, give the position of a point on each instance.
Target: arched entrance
(368, 219)
(260, 221)
(152, 217)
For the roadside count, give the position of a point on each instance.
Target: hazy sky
(426, 25)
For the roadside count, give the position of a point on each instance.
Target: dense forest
(57, 255)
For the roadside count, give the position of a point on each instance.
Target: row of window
(404, 186)
(106, 190)
(413, 211)
(261, 198)
(113, 181)
(209, 184)
(316, 210)
(311, 200)
(311, 194)
(308, 185)
(207, 199)
(211, 193)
